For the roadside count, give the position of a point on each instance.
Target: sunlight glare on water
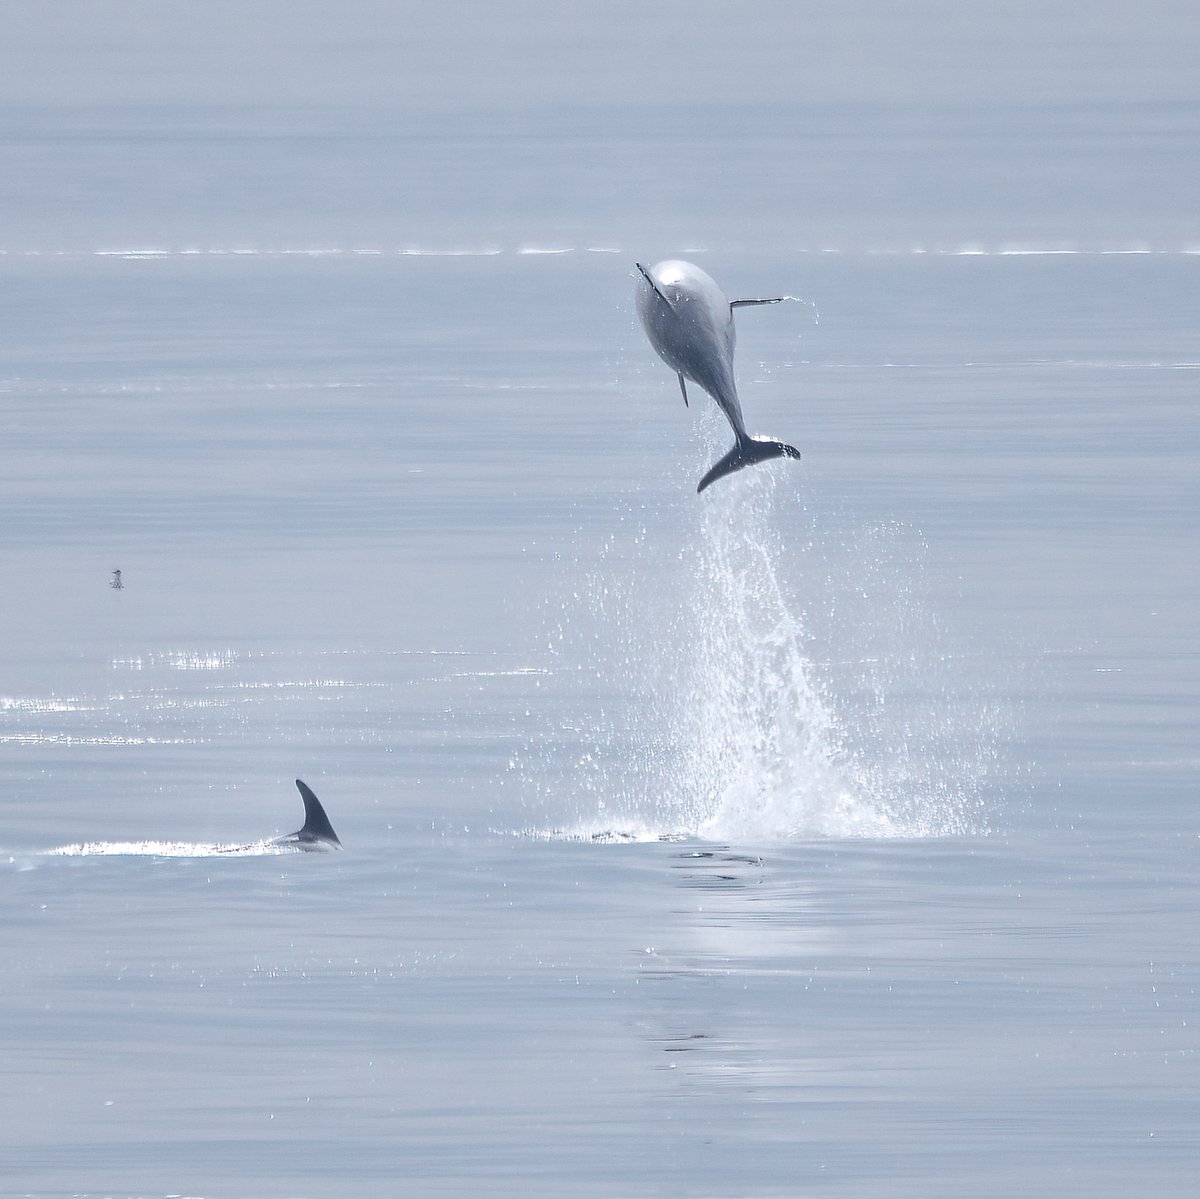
(165, 849)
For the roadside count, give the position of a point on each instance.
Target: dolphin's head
(653, 283)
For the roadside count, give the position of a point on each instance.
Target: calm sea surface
(833, 833)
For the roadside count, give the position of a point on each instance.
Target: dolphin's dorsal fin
(316, 823)
(650, 279)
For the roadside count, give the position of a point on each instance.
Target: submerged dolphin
(317, 832)
(689, 323)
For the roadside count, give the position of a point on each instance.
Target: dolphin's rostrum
(689, 323)
(317, 832)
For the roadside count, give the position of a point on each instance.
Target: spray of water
(747, 684)
(755, 750)
(167, 849)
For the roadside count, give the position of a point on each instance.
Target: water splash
(756, 684)
(168, 849)
(755, 751)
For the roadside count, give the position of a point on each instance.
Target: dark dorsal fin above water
(316, 823)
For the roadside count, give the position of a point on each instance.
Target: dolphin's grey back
(689, 322)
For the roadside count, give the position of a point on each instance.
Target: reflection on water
(715, 869)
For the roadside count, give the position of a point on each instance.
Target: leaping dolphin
(317, 832)
(689, 322)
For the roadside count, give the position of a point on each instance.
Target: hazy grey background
(853, 125)
(316, 321)
(390, 58)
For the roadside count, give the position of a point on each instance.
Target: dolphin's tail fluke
(747, 453)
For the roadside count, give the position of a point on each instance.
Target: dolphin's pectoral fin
(747, 303)
(747, 453)
(683, 388)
